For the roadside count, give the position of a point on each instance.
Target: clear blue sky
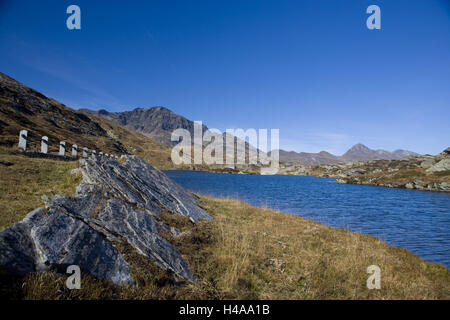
(310, 68)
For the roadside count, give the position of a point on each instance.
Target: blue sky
(310, 68)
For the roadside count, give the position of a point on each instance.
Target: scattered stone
(418, 185)
(445, 186)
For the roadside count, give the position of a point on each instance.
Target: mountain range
(24, 108)
(358, 152)
(158, 123)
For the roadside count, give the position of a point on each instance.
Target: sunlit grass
(24, 180)
(243, 253)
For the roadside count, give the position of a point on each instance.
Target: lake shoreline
(244, 252)
(339, 205)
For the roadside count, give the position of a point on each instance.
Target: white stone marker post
(62, 148)
(74, 151)
(85, 152)
(44, 144)
(23, 139)
(94, 154)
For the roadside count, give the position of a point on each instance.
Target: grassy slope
(245, 252)
(24, 108)
(117, 140)
(155, 153)
(24, 180)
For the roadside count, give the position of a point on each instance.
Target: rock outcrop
(116, 202)
(443, 165)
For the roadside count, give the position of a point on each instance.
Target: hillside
(24, 108)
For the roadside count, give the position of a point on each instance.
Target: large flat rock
(116, 202)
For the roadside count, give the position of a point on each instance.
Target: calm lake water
(416, 220)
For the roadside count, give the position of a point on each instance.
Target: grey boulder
(443, 165)
(116, 202)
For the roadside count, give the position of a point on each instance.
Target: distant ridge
(358, 152)
(158, 123)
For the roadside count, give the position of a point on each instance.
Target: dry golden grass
(243, 253)
(263, 254)
(24, 180)
(155, 153)
(105, 135)
(251, 253)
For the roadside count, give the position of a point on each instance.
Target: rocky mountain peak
(359, 147)
(157, 123)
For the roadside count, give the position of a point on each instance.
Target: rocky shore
(423, 172)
